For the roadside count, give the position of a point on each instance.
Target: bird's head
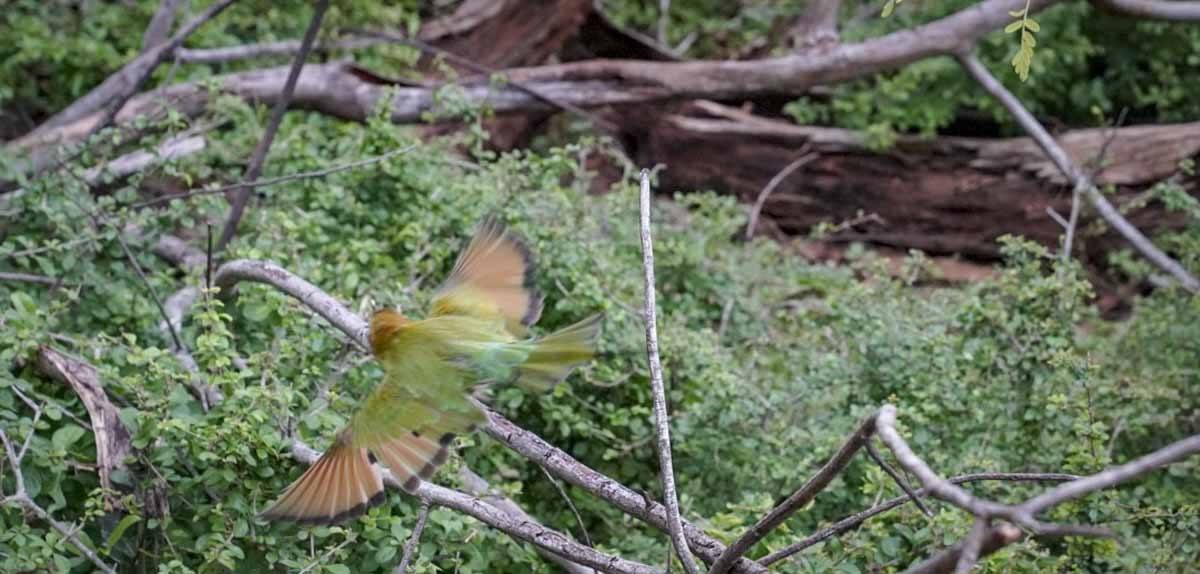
(384, 324)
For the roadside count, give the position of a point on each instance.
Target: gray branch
(114, 91)
(662, 423)
(160, 24)
(853, 521)
(1081, 182)
(516, 527)
(337, 90)
(984, 541)
(1180, 11)
(20, 498)
(798, 499)
(259, 157)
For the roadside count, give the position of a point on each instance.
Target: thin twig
(805, 158)
(1079, 179)
(853, 521)
(275, 180)
(899, 480)
(661, 421)
(802, 496)
(410, 548)
(150, 288)
(21, 499)
(587, 538)
(242, 195)
(30, 278)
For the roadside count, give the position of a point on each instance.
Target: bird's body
(474, 336)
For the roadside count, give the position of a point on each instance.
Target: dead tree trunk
(941, 195)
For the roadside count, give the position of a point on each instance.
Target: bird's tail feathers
(341, 485)
(555, 355)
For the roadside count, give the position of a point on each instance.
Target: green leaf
(889, 8)
(119, 531)
(1013, 27)
(337, 569)
(66, 436)
(1032, 25)
(256, 312)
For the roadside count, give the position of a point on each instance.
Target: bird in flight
(474, 336)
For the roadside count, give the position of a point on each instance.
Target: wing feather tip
(272, 515)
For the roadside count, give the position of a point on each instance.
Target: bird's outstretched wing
(493, 278)
(407, 422)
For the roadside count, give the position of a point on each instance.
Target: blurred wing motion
(430, 368)
(493, 278)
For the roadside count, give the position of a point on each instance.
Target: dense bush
(770, 361)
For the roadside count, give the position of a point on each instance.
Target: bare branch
(936, 485)
(268, 49)
(111, 437)
(475, 485)
(804, 159)
(278, 180)
(899, 480)
(410, 548)
(562, 465)
(118, 88)
(1176, 451)
(426, 47)
(160, 24)
(21, 499)
(853, 521)
(1080, 181)
(30, 278)
(971, 547)
(661, 422)
(335, 88)
(516, 527)
(230, 274)
(1179, 11)
(798, 499)
(259, 157)
(947, 561)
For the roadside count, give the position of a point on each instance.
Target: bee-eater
(474, 336)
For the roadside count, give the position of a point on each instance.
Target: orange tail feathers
(342, 484)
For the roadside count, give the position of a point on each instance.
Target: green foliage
(770, 361)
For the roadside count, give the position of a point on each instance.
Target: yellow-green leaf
(1032, 25)
(1009, 29)
(889, 8)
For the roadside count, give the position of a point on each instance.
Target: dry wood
(941, 195)
(345, 91)
(111, 437)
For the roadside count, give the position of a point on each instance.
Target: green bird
(473, 337)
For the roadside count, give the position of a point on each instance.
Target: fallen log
(940, 195)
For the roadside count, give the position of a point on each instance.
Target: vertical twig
(1082, 184)
(242, 194)
(903, 484)
(666, 469)
(410, 548)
